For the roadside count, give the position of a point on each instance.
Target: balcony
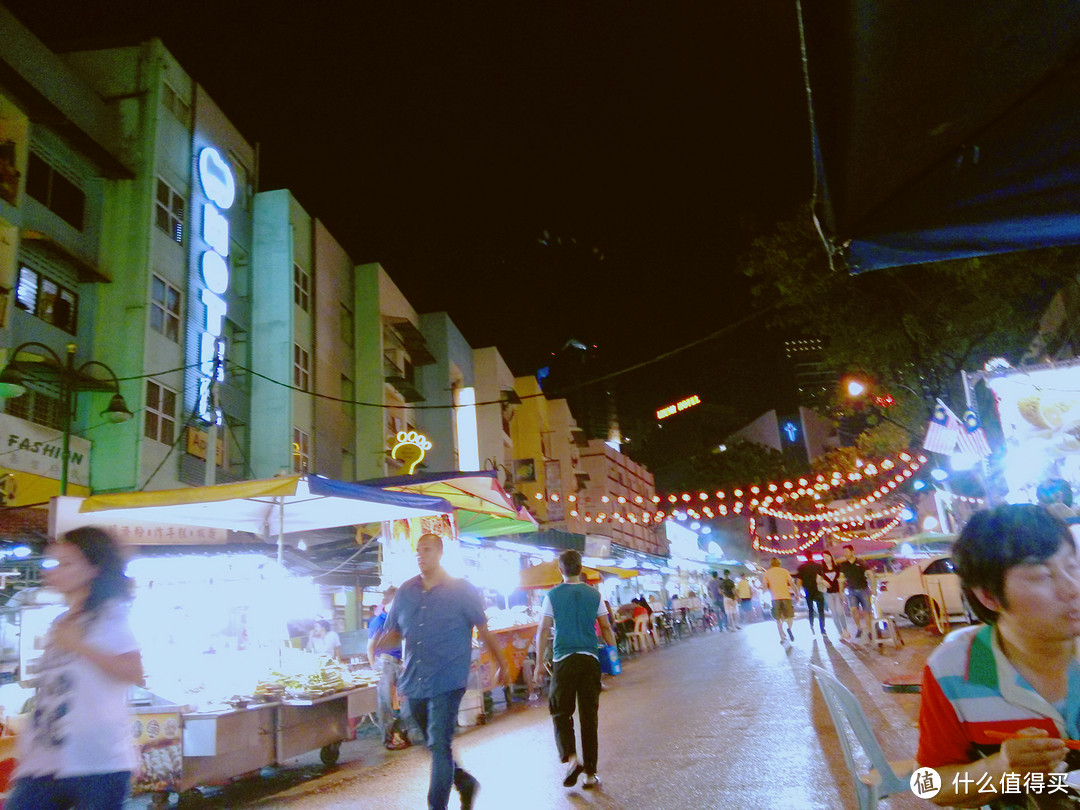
(402, 379)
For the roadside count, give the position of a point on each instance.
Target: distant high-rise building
(570, 374)
(814, 377)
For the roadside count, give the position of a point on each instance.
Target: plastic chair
(641, 638)
(885, 778)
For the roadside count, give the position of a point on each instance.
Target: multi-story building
(814, 378)
(618, 485)
(449, 390)
(497, 402)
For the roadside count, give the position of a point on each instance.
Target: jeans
(389, 675)
(436, 718)
(576, 680)
(836, 608)
(817, 600)
(721, 615)
(99, 791)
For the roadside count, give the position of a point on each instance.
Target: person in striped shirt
(1017, 675)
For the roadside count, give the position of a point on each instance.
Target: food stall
(226, 693)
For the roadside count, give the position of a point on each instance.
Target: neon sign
(219, 186)
(412, 447)
(681, 405)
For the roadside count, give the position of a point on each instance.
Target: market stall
(227, 693)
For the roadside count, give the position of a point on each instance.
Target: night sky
(645, 143)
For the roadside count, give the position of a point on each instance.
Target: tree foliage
(913, 327)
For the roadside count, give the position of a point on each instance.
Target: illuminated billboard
(1039, 409)
(679, 406)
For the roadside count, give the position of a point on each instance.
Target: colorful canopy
(481, 506)
(268, 507)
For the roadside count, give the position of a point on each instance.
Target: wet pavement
(716, 720)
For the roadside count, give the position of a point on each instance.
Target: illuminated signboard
(410, 449)
(681, 405)
(212, 280)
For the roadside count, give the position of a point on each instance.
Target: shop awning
(547, 575)
(943, 130)
(551, 538)
(481, 506)
(268, 507)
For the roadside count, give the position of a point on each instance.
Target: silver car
(910, 591)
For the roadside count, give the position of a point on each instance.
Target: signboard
(1039, 412)
(197, 441)
(64, 515)
(681, 405)
(33, 448)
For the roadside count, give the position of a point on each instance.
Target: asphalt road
(717, 720)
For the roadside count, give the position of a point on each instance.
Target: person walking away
(716, 596)
(808, 574)
(745, 593)
(572, 610)
(77, 751)
(727, 588)
(830, 573)
(778, 581)
(854, 571)
(388, 665)
(324, 640)
(435, 613)
(1018, 673)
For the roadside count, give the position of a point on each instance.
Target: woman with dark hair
(830, 572)
(77, 750)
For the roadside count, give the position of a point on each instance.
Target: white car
(909, 592)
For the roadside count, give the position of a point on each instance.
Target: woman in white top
(77, 751)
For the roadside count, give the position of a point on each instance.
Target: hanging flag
(943, 431)
(972, 439)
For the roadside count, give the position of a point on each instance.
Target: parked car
(909, 591)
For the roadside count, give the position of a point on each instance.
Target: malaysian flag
(943, 431)
(971, 440)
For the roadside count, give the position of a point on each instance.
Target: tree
(910, 330)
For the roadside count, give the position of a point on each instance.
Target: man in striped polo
(998, 699)
(573, 610)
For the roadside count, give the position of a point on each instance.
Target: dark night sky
(443, 139)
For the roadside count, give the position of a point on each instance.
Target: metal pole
(66, 378)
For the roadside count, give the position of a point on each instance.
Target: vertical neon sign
(219, 186)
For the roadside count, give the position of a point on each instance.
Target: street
(717, 720)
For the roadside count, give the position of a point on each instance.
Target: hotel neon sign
(681, 405)
(219, 186)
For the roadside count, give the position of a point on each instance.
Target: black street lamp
(36, 362)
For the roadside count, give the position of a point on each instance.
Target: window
(301, 450)
(301, 288)
(39, 408)
(169, 211)
(165, 308)
(171, 100)
(348, 395)
(45, 299)
(160, 423)
(346, 326)
(55, 191)
(301, 368)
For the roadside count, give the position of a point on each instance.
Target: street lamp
(43, 365)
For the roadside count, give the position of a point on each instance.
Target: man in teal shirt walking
(573, 609)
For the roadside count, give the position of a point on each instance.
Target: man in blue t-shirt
(388, 665)
(574, 608)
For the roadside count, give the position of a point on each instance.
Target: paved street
(712, 721)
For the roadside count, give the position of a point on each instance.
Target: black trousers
(816, 599)
(576, 680)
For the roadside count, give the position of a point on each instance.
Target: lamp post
(43, 365)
